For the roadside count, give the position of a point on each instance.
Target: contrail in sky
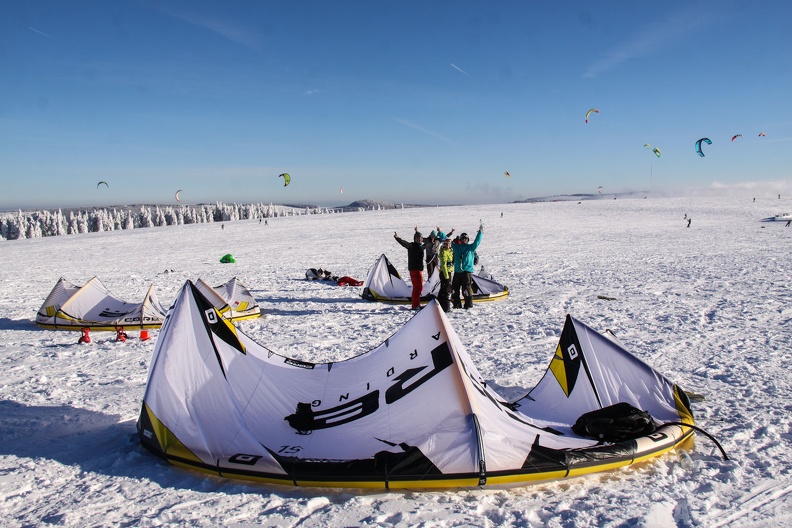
(458, 68)
(410, 124)
(39, 32)
(652, 38)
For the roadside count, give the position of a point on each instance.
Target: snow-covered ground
(709, 306)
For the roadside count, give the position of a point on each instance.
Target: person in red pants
(415, 263)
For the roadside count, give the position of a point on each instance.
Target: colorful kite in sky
(595, 110)
(698, 145)
(286, 178)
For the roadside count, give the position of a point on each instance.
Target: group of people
(455, 260)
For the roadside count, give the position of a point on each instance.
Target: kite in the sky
(286, 178)
(762, 134)
(599, 189)
(101, 182)
(648, 146)
(507, 174)
(595, 110)
(341, 190)
(736, 136)
(177, 195)
(656, 151)
(698, 145)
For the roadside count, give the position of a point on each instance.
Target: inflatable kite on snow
(412, 413)
(233, 300)
(70, 307)
(384, 284)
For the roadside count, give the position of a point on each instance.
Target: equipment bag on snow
(615, 423)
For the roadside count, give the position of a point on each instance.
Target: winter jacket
(415, 254)
(432, 247)
(464, 255)
(446, 262)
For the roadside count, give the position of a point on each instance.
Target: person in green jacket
(464, 266)
(446, 266)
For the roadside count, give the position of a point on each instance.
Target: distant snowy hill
(376, 205)
(584, 196)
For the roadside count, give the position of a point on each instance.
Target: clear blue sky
(409, 101)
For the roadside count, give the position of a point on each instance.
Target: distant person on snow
(415, 264)
(446, 266)
(464, 256)
(689, 219)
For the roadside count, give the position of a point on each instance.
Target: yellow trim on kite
(516, 479)
(685, 416)
(558, 368)
(406, 300)
(170, 445)
(244, 317)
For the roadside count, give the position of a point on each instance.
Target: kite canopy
(177, 195)
(736, 136)
(412, 413)
(762, 134)
(70, 307)
(384, 284)
(233, 300)
(593, 110)
(698, 145)
(228, 258)
(102, 183)
(286, 178)
(656, 151)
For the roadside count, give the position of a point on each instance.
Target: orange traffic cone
(144, 335)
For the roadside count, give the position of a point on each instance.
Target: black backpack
(615, 423)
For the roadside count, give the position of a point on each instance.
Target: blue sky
(410, 101)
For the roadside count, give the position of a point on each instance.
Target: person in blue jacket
(464, 256)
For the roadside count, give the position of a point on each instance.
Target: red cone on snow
(86, 337)
(144, 335)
